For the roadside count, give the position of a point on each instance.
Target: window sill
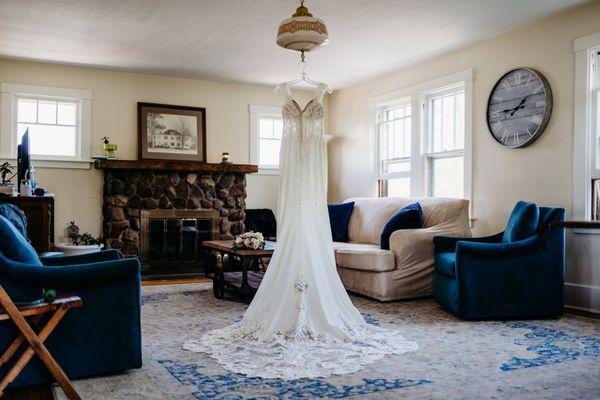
(582, 231)
(56, 164)
(268, 171)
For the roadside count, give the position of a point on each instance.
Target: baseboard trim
(581, 312)
(582, 298)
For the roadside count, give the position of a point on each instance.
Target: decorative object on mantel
(519, 107)
(7, 188)
(109, 148)
(81, 243)
(168, 132)
(225, 158)
(249, 241)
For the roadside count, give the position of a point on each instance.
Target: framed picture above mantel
(169, 132)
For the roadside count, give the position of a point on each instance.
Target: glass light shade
(302, 32)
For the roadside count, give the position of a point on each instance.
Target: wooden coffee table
(246, 279)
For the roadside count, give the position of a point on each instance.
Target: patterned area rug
(542, 359)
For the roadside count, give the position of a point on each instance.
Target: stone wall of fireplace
(127, 192)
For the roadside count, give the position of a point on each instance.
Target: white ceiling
(234, 40)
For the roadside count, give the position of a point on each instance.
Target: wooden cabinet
(40, 219)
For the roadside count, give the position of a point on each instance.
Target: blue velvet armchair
(517, 273)
(103, 336)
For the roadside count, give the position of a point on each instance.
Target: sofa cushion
(339, 218)
(523, 222)
(410, 217)
(363, 256)
(15, 246)
(445, 263)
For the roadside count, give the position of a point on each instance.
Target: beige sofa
(406, 270)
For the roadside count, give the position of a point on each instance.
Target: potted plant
(7, 187)
(109, 148)
(81, 243)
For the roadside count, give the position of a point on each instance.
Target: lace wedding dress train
(301, 322)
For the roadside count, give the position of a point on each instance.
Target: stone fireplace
(160, 211)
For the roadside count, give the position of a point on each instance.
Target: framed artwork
(168, 132)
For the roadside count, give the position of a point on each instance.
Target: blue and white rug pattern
(545, 359)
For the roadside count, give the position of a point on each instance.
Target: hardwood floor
(173, 281)
(32, 393)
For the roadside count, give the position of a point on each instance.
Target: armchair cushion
(445, 263)
(15, 246)
(410, 217)
(523, 222)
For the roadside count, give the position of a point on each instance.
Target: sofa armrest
(107, 255)
(414, 247)
(74, 276)
(447, 244)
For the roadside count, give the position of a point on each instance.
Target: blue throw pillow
(523, 222)
(410, 217)
(15, 246)
(339, 218)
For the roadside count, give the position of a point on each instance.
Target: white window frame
(256, 112)
(11, 92)
(384, 107)
(586, 141)
(419, 152)
(428, 154)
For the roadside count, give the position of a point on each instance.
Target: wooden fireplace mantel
(175, 166)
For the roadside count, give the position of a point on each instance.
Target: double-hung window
(58, 121)
(266, 129)
(423, 139)
(595, 135)
(445, 141)
(586, 157)
(394, 133)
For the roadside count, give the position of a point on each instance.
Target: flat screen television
(23, 159)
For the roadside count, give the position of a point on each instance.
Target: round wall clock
(519, 107)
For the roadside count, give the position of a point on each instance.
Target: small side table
(244, 282)
(35, 342)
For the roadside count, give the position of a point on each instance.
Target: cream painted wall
(541, 172)
(114, 114)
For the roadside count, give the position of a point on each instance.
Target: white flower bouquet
(249, 241)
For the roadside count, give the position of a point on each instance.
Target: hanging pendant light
(302, 32)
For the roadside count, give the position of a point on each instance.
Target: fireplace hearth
(161, 211)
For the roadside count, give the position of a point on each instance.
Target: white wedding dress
(301, 322)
